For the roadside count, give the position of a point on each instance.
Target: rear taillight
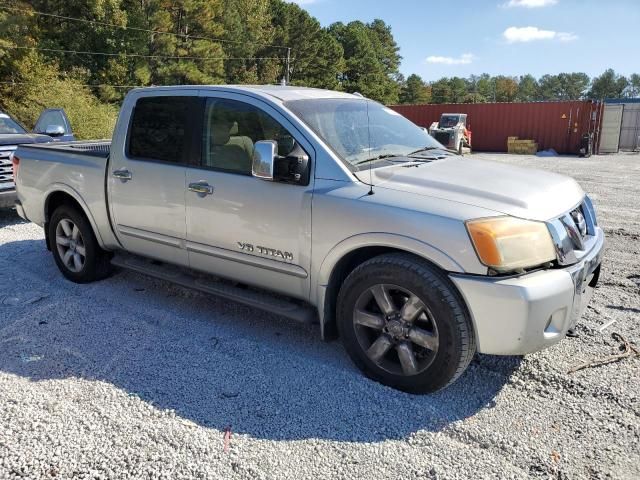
(15, 162)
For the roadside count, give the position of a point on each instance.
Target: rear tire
(75, 248)
(419, 338)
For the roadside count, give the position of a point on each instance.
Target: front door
(238, 226)
(147, 181)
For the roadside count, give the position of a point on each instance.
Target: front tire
(75, 248)
(404, 324)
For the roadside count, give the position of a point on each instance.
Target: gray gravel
(132, 377)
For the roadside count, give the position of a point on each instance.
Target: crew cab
(323, 207)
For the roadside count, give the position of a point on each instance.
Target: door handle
(201, 188)
(122, 174)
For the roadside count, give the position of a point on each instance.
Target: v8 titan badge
(266, 251)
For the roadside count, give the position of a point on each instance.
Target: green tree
(316, 56)
(485, 87)
(634, 85)
(189, 21)
(573, 86)
(527, 89)
(458, 89)
(608, 85)
(550, 87)
(506, 89)
(441, 91)
(371, 59)
(247, 26)
(474, 98)
(48, 88)
(415, 91)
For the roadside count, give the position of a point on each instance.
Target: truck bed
(76, 168)
(94, 148)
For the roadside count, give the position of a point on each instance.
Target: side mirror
(264, 154)
(54, 130)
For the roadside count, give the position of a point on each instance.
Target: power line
(81, 85)
(137, 29)
(137, 55)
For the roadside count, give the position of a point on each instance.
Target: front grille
(574, 232)
(579, 220)
(6, 168)
(442, 137)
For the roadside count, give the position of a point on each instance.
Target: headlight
(507, 243)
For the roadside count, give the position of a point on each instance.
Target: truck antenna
(369, 140)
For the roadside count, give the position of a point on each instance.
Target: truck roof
(282, 93)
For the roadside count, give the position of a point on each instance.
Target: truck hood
(23, 139)
(520, 192)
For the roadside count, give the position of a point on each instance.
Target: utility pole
(288, 65)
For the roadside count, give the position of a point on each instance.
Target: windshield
(359, 130)
(9, 125)
(449, 121)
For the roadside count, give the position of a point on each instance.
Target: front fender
(378, 239)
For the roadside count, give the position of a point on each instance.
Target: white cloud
(567, 37)
(464, 59)
(530, 3)
(530, 34)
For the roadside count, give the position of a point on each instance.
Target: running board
(202, 282)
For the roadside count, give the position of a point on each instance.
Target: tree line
(84, 55)
(486, 88)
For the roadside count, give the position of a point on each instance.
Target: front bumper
(519, 315)
(7, 198)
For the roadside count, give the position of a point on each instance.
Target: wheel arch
(64, 195)
(350, 253)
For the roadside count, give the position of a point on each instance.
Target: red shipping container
(557, 125)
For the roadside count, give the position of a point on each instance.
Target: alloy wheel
(396, 330)
(70, 245)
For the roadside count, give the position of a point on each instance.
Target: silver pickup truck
(323, 207)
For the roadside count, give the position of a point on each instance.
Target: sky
(502, 37)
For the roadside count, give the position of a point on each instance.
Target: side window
(232, 128)
(159, 128)
(52, 117)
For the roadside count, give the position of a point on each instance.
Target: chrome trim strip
(573, 231)
(589, 215)
(150, 236)
(246, 259)
(562, 242)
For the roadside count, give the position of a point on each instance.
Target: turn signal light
(15, 163)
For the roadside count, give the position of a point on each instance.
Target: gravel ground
(132, 377)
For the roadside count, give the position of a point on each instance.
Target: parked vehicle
(323, 207)
(55, 123)
(12, 134)
(452, 132)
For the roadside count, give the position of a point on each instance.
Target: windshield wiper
(425, 149)
(379, 157)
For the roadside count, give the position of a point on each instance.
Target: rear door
(54, 117)
(147, 180)
(244, 228)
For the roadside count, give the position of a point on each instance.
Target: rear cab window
(161, 128)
